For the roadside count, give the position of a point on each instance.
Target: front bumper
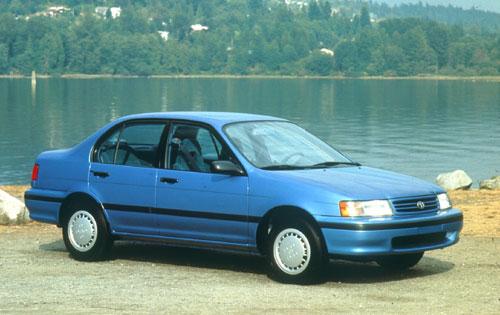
(393, 235)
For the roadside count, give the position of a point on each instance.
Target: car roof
(212, 118)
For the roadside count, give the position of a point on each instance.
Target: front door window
(193, 148)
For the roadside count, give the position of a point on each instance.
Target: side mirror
(227, 167)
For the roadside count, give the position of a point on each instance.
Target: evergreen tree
(4, 58)
(364, 19)
(314, 10)
(255, 5)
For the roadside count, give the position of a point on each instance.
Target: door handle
(169, 180)
(100, 174)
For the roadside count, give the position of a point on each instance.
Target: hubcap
(82, 231)
(292, 251)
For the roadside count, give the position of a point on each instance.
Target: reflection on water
(416, 127)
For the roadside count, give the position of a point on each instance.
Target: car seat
(186, 154)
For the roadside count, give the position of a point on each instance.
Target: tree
(51, 54)
(366, 42)
(255, 5)
(134, 21)
(4, 58)
(461, 54)
(24, 62)
(109, 16)
(181, 21)
(319, 63)
(17, 7)
(438, 39)
(394, 60)
(364, 19)
(111, 53)
(326, 9)
(346, 56)
(314, 12)
(420, 57)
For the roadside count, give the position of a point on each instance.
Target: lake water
(417, 127)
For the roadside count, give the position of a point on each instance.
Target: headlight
(372, 208)
(444, 201)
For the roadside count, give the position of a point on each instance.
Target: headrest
(186, 132)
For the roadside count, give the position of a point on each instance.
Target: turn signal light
(368, 208)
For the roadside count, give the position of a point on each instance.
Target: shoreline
(253, 76)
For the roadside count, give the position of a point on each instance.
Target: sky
(487, 5)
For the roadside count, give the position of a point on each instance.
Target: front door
(192, 202)
(123, 176)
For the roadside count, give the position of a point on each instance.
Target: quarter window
(132, 145)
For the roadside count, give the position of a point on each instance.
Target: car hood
(362, 183)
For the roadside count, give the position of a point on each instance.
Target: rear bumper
(44, 204)
(383, 236)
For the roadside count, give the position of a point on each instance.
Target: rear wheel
(399, 262)
(85, 233)
(295, 253)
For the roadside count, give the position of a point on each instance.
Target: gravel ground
(37, 276)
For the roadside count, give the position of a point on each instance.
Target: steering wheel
(290, 156)
(128, 151)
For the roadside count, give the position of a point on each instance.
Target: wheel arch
(78, 198)
(285, 212)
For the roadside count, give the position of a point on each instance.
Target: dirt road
(37, 276)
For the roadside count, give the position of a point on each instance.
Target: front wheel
(295, 253)
(399, 262)
(85, 234)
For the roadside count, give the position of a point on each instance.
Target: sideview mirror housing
(227, 168)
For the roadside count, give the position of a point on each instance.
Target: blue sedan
(236, 182)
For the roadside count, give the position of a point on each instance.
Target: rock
(492, 183)
(454, 180)
(12, 210)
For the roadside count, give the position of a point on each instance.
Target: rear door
(192, 202)
(123, 175)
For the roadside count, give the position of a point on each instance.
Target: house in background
(115, 12)
(198, 28)
(326, 51)
(55, 10)
(163, 35)
(103, 11)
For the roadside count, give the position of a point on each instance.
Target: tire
(399, 262)
(295, 253)
(85, 233)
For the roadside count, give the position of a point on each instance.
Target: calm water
(420, 128)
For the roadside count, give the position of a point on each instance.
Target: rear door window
(133, 145)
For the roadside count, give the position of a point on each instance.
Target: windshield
(282, 145)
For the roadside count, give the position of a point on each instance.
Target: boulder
(454, 180)
(492, 183)
(12, 210)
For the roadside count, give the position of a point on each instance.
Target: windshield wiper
(279, 167)
(334, 163)
(282, 167)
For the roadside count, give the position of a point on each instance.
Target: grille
(403, 242)
(404, 205)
